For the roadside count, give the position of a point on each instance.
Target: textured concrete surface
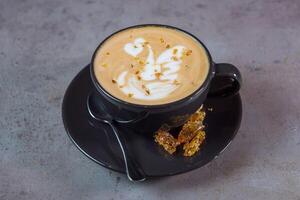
(43, 45)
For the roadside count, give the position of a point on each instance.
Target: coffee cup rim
(156, 106)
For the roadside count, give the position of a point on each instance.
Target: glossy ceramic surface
(97, 141)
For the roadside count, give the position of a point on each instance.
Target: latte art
(156, 80)
(134, 48)
(151, 65)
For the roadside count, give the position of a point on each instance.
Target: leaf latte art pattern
(158, 77)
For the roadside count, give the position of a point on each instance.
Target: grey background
(44, 44)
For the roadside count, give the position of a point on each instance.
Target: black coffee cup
(223, 80)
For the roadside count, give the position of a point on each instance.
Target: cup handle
(226, 82)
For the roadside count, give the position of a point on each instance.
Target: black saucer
(99, 143)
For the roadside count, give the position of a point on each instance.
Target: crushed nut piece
(194, 123)
(166, 140)
(190, 148)
(130, 95)
(147, 91)
(167, 46)
(161, 40)
(189, 52)
(187, 132)
(198, 116)
(107, 53)
(113, 81)
(174, 58)
(157, 75)
(175, 51)
(104, 65)
(139, 78)
(175, 82)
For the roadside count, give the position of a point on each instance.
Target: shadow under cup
(223, 80)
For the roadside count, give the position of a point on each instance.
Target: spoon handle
(134, 172)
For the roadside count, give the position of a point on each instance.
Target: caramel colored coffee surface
(151, 65)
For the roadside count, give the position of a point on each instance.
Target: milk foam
(134, 48)
(154, 87)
